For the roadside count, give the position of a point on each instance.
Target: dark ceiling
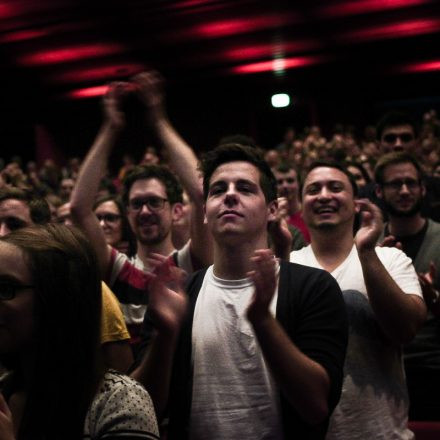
(71, 48)
(55, 52)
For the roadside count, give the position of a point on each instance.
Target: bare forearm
(92, 170)
(399, 314)
(303, 381)
(181, 154)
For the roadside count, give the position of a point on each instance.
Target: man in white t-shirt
(260, 353)
(383, 299)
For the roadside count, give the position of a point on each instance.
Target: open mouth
(325, 210)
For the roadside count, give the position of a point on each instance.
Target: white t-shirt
(234, 395)
(374, 400)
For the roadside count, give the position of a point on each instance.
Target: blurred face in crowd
(357, 175)
(398, 138)
(14, 214)
(16, 300)
(66, 188)
(63, 215)
(402, 191)
(110, 220)
(149, 212)
(328, 199)
(287, 183)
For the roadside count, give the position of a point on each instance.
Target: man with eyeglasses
(152, 195)
(400, 186)
(397, 131)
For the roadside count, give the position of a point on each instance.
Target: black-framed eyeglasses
(395, 185)
(154, 203)
(9, 290)
(391, 138)
(108, 218)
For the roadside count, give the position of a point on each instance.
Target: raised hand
(390, 241)
(279, 231)
(371, 225)
(265, 281)
(430, 294)
(116, 92)
(6, 425)
(167, 301)
(149, 88)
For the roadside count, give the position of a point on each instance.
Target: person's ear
(177, 211)
(272, 210)
(379, 192)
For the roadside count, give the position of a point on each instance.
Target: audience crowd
(251, 293)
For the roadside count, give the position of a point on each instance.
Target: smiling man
(261, 350)
(383, 300)
(400, 185)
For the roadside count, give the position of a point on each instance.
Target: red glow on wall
(69, 54)
(426, 66)
(276, 65)
(14, 37)
(404, 29)
(89, 92)
(225, 28)
(100, 73)
(366, 6)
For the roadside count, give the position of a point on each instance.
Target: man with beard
(152, 196)
(288, 187)
(383, 300)
(400, 186)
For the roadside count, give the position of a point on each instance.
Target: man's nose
(324, 193)
(145, 209)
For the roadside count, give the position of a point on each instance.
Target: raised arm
(399, 313)
(91, 172)
(303, 381)
(179, 155)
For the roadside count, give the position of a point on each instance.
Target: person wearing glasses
(56, 385)
(397, 131)
(401, 187)
(383, 299)
(152, 196)
(111, 214)
(21, 208)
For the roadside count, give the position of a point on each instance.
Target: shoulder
(307, 282)
(121, 408)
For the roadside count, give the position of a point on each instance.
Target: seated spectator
(56, 386)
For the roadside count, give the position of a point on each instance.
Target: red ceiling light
(89, 92)
(366, 6)
(14, 37)
(403, 29)
(225, 28)
(100, 73)
(70, 54)
(276, 65)
(426, 66)
(267, 50)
